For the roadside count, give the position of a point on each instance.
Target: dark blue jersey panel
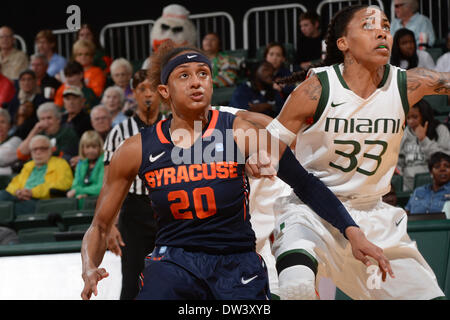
(200, 194)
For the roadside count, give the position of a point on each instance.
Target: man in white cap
(75, 115)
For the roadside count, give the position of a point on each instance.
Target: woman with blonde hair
(89, 170)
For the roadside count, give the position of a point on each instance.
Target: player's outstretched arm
(421, 82)
(122, 170)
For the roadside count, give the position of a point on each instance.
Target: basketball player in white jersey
(358, 105)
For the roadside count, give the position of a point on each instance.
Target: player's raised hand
(91, 278)
(362, 249)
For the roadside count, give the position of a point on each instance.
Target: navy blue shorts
(177, 274)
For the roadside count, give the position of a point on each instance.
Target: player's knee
(297, 276)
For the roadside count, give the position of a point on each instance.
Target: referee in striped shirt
(137, 227)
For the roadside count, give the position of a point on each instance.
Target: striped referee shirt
(117, 136)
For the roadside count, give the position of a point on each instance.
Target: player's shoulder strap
(402, 85)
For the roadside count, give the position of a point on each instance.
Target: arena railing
(22, 44)
(271, 23)
(327, 8)
(64, 41)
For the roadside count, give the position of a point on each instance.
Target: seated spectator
(8, 144)
(28, 91)
(405, 54)
(121, 73)
(113, 99)
(47, 84)
(432, 197)
(275, 53)
(64, 140)
(76, 116)
(24, 120)
(37, 177)
(443, 62)
(101, 120)
(88, 179)
(12, 60)
(258, 94)
(309, 41)
(224, 67)
(46, 44)
(7, 89)
(83, 52)
(423, 136)
(407, 16)
(74, 75)
(101, 60)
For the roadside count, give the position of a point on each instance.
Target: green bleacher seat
(57, 205)
(4, 181)
(421, 179)
(79, 227)
(439, 103)
(76, 217)
(32, 220)
(435, 52)
(222, 96)
(33, 235)
(89, 203)
(397, 182)
(6, 213)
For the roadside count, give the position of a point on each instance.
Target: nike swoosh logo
(398, 222)
(190, 57)
(333, 105)
(246, 281)
(153, 159)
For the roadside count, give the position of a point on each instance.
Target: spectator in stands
(101, 60)
(101, 120)
(7, 89)
(37, 177)
(405, 54)
(46, 44)
(407, 16)
(76, 116)
(121, 73)
(8, 144)
(47, 84)
(24, 120)
(424, 135)
(258, 94)
(443, 62)
(225, 68)
(12, 60)
(275, 53)
(64, 140)
(83, 52)
(114, 100)
(28, 91)
(74, 75)
(88, 179)
(431, 197)
(309, 41)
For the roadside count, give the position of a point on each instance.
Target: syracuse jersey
(200, 204)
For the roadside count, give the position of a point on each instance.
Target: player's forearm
(94, 246)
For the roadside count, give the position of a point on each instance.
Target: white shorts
(298, 227)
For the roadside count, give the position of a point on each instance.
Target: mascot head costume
(174, 24)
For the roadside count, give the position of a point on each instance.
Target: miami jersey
(201, 204)
(353, 143)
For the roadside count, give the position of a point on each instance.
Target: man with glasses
(37, 177)
(12, 61)
(407, 16)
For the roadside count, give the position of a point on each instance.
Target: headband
(184, 58)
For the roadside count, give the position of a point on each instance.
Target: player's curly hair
(158, 60)
(336, 29)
